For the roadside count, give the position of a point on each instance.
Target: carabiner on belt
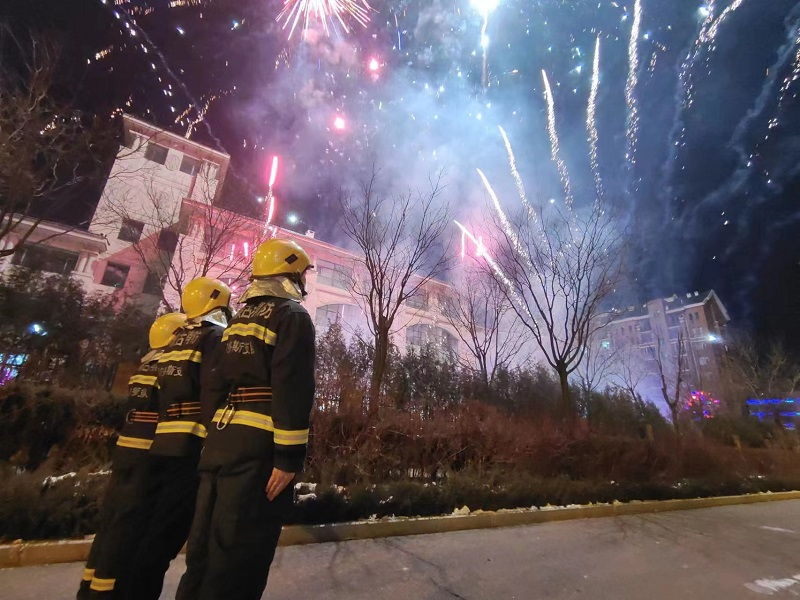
(226, 416)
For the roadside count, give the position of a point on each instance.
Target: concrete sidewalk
(709, 554)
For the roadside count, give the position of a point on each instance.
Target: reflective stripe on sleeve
(190, 427)
(102, 585)
(132, 442)
(143, 379)
(181, 355)
(251, 330)
(88, 574)
(291, 437)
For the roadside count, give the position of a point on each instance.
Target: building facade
(694, 324)
(158, 225)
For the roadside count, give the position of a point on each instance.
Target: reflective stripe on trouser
(233, 562)
(172, 492)
(124, 516)
(284, 437)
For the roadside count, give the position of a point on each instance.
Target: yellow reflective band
(291, 437)
(251, 330)
(132, 442)
(189, 427)
(282, 437)
(143, 379)
(88, 574)
(181, 355)
(102, 585)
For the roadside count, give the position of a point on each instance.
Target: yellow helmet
(164, 327)
(279, 257)
(203, 295)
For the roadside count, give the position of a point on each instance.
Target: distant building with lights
(697, 319)
(156, 216)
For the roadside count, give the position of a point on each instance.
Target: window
(703, 361)
(167, 241)
(329, 314)
(115, 275)
(442, 341)
(334, 275)
(156, 153)
(418, 300)
(131, 231)
(45, 258)
(190, 165)
(152, 284)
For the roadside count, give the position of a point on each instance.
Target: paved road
(709, 554)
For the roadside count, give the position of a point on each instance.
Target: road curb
(25, 554)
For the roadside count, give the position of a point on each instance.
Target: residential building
(697, 320)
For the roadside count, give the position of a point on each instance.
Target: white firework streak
(512, 235)
(787, 82)
(686, 86)
(495, 267)
(633, 80)
(512, 161)
(712, 31)
(554, 145)
(591, 123)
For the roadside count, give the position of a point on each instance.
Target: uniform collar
(278, 287)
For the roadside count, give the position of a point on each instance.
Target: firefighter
(257, 442)
(124, 503)
(184, 370)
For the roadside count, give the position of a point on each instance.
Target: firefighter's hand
(278, 482)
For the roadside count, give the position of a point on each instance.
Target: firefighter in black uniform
(124, 504)
(258, 439)
(184, 370)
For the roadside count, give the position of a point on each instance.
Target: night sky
(707, 173)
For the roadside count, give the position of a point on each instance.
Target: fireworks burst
(327, 12)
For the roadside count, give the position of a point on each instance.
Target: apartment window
(418, 300)
(167, 241)
(329, 314)
(115, 275)
(334, 275)
(152, 284)
(44, 258)
(419, 336)
(156, 153)
(131, 230)
(190, 165)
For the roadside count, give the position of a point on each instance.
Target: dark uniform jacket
(265, 386)
(184, 369)
(141, 419)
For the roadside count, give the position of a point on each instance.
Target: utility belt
(141, 416)
(241, 397)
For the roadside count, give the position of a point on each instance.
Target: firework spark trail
(323, 10)
(512, 161)
(485, 46)
(711, 33)
(509, 231)
(633, 80)
(495, 267)
(787, 83)
(741, 176)
(178, 81)
(591, 124)
(555, 150)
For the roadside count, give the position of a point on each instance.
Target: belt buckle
(129, 415)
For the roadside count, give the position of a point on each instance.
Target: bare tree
(183, 239)
(484, 320)
(597, 367)
(761, 373)
(630, 369)
(556, 267)
(47, 147)
(670, 363)
(400, 241)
